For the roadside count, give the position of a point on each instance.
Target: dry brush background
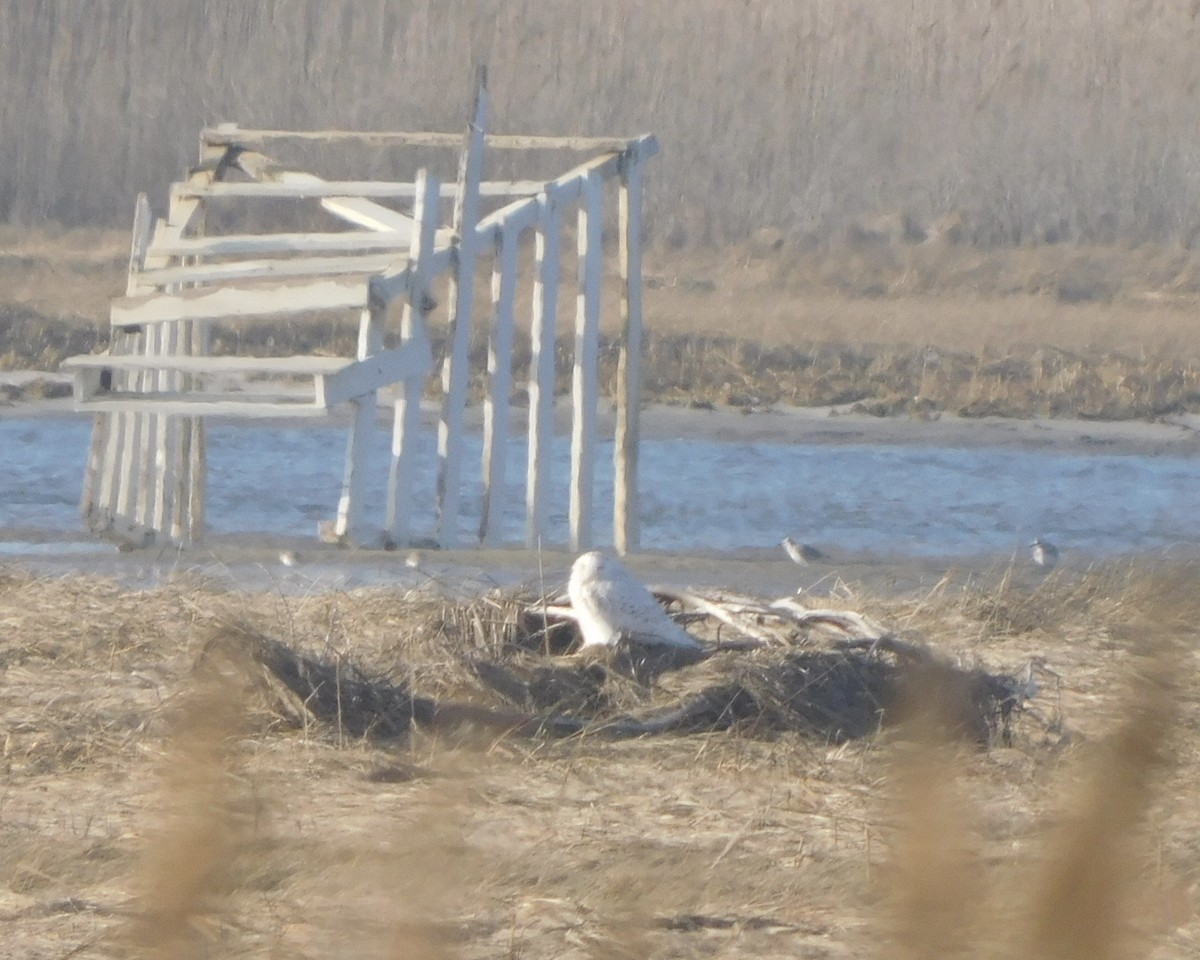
(1067, 120)
(853, 179)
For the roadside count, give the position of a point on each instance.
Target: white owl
(609, 602)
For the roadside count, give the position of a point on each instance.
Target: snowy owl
(801, 553)
(1043, 554)
(610, 603)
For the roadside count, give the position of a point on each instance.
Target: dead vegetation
(1000, 124)
(964, 332)
(157, 801)
(516, 680)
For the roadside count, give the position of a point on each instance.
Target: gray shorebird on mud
(802, 554)
(1043, 554)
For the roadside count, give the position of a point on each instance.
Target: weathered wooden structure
(158, 381)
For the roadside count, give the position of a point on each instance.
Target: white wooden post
(496, 403)
(100, 474)
(110, 470)
(187, 436)
(413, 324)
(190, 470)
(626, 527)
(157, 502)
(456, 367)
(154, 343)
(584, 380)
(166, 434)
(541, 379)
(349, 515)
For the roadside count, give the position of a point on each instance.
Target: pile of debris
(525, 667)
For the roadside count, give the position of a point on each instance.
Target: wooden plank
(179, 461)
(180, 458)
(128, 467)
(523, 214)
(496, 403)
(541, 381)
(110, 479)
(585, 377)
(252, 137)
(456, 367)
(626, 519)
(238, 244)
(179, 404)
(256, 301)
(182, 524)
(411, 360)
(135, 441)
(379, 189)
(519, 215)
(348, 265)
(300, 366)
(159, 466)
(143, 227)
(358, 383)
(153, 344)
(356, 210)
(101, 453)
(398, 522)
(370, 329)
(349, 524)
(89, 496)
(194, 444)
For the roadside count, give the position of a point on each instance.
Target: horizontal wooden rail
(231, 135)
(383, 369)
(203, 405)
(300, 366)
(235, 244)
(231, 272)
(356, 210)
(520, 215)
(263, 300)
(336, 379)
(399, 190)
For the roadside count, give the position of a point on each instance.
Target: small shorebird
(801, 553)
(1043, 554)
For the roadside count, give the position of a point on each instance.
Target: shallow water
(697, 496)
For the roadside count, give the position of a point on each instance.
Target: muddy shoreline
(1176, 435)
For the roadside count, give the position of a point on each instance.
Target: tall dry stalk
(1076, 900)
(183, 881)
(933, 884)
(1041, 121)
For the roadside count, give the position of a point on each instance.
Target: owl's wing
(632, 609)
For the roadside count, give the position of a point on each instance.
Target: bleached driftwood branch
(766, 623)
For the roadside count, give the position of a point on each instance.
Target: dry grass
(140, 816)
(982, 334)
(813, 119)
